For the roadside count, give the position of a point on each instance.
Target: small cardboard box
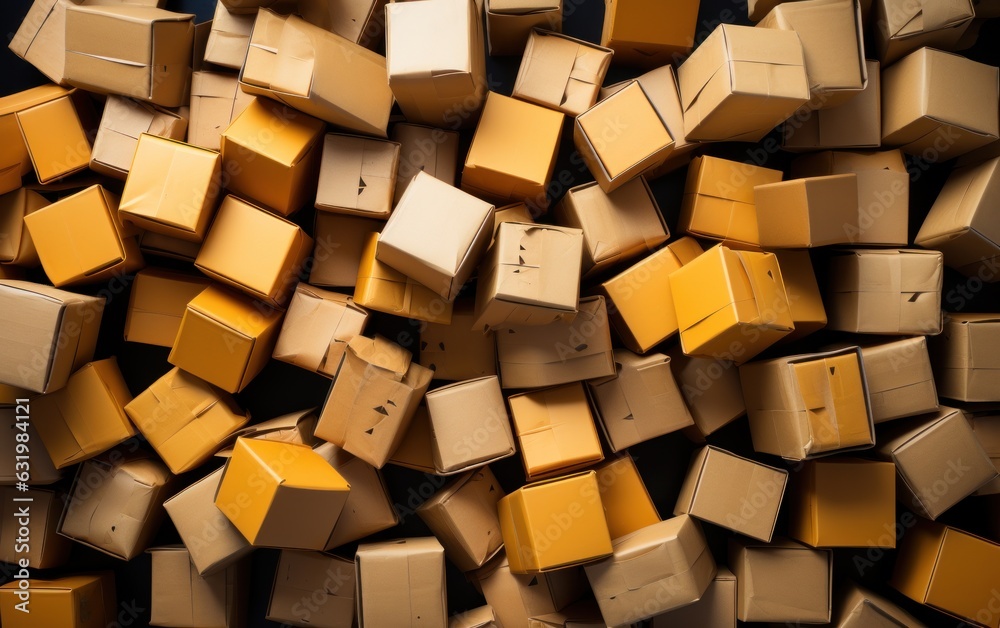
(216, 100)
(182, 597)
(457, 351)
(38, 511)
(436, 62)
(385, 573)
(123, 513)
(298, 576)
(803, 406)
(185, 419)
(383, 289)
(648, 33)
(16, 246)
(733, 492)
(861, 608)
(469, 425)
(481, 617)
(157, 303)
(136, 51)
(627, 503)
(966, 357)
(339, 242)
(463, 516)
(357, 175)
(741, 82)
(640, 301)
(167, 246)
(782, 582)
(900, 27)
(295, 427)
(640, 402)
(517, 597)
(82, 601)
(573, 503)
(317, 327)
(369, 508)
(561, 72)
(295, 495)
(854, 124)
(711, 390)
(806, 213)
(530, 276)
(225, 338)
(509, 23)
(950, 570)
(555, 430)
(424, 149)
(513, 152)
(899, 377)
(373, 399)
(14, 159)
(414, 450)
(57, 143)
(653, 570)
(80, 238)
(715, 609)
(730, 304)
(414, 241)
(42, 471)
(939, 103)
(123, 121)
(617, 227)
(804, 299)
(87, 417)
(885, 291)
(47, 334)
(278, 168)
(229, 38)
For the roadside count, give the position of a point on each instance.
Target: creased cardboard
(401, 583)
(414, 450)
(965, 357)
(781, 582)
(583, 614)
(14, 159)
(57, 143)
(229, 38)
(16, 246)
(456, 351)
(809, 212)
(804, 299)
(295, 427)
(509, 23)
(65, 601)
(157, 302)
(182, 597)
(647, 33)
(357, 176)
(711, 390)
(298, 576)
(424, 149)
(41, 39)
(123, 121)
(369, 508)
(339, 242)
(627, 503)
(317, 327)
(381, 288)
(854, 124)
(715, 609)
(901, 27)
(41, 546)
(561, 72)
(216, 100)
(517, 597)
(899, 377)
(469, 425)
(555, 430)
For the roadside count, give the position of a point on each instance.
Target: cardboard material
(627, 503)
(360, 21)
(481, 617)
(861, 608)
(401, 583)
(369, 508)
(123, 121)
(809, 212)
(41, 39)
(16, 247)
(383, 289)
(300, 574)
(157, 302)
(456, 351)
(339, 241)
(317, 327)
(414, 450)
(899, 377)
(509, 23)
(711, 390)
(357, 176)
(516, 597)
(469, 425)
(561, 72)
(582, 614)
(295, 427)
(965, 357)
(647, 33)
(715, 609)
(781, 582)
(985, 426)
(57, 143)
(901, 27)
(229, 38)
(516, 212)
(216, 100)
(38, 511)
(14, 159)
(854, 124)
(81, 601)
(182, 597)
(424, 149)
(166, 246)
(42, 471)
(804, 299)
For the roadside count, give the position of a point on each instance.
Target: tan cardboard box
(806, 213)
(385, 595)
(986, 426)
(157, 303)
(317, 327)
(360, 21)
(357, 176)
(56, 141)
(369, 508)
(16, 246)
(715, 609)
(516, 212)
(757, 9)
(381, 288)
(298, 576)
(900, 27)
(339, 242)
(42, 471)
(517, 597)
(229, 38)
(414, 450)
(166, 246)
(61, 601)
(648, 33)
(627, 503)
(583, 614)
(424, 149)
(899, 377)
(216, 100)
(854, 124)
(469, 425)
(711, 390)
(41, 39)
(123, 121)
(804, 299)
(248, 6)
(781, 582)
(481, 617)
(456, 351)
(561, 72)
(295, 427)
(861, 608)
(39, 512)
(182, 597)
(509, 23)
(14, 159)
(966, 357)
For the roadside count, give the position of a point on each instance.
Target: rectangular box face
(157, 303)
(556, 430)
(561, 72)
(810, 212)
(965, 357)
(469, 424)
(56, 141)
(795, 582)
(182, 597)
(647, 33)
(317, 327)
(456, 351)
(463, 516)
(900, 380)
(299, 574)
(83, 601)
(385, 571)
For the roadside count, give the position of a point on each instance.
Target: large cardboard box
(899, 377)
(41, 39)
(54, 136)
(583, 614)
(384, 289)
(216, 100)
(627, 503)
(715, 609)
(782, 582)
(357, 176)
(424, 149)
(317, 327)
(854, 124)
(653, 570)
(561, 72)
(509, 23)
(123, 122)
(965, 357)
(157, 303)
(711, 390)
(135, 51)
(741, 82)
(14, 159)
(42, 471)
(556, 430)
(648, 33)
(339, 242)
(386, 575)
(804, 299)
(456, 351)
(183, 597)
(469, 425)
(229, 38)
(298, 576)
(517, 597)
(81, 601)
(809, 212)
(369, 508)
(38, 511)
(860, 608)
(901, 27)
(16, 247)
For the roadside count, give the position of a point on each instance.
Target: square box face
(157, 303)
(966, 357)
(424, 149)
(792, 582)
(299, 574)
(56, 141)
(469, 424)
(182, 597)
(384, 572)
(627, 503)
(456, 351)
(900, 379)
(124, 120)
(317, 327)
(648, 33)
(561, 73)
(357, 176)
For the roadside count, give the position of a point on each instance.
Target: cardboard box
(166, 246)
(41, 39)
(640, 402)
(861, 608)
(414, 450)
(621, 137)
(469, 425)
(986, 426)
(295, 427)
(938, 461)
(509, 23)
(854, 124)
(513, 152)
(656, 569)
(157, 303)
(719, 199)
(216, 100)
(123, 121)
(939, 103)
(339, 242)
(899, 377)
(298, 576)
(516, 212)
(627, 503)
(901, 27)
(357, 176)
(715, 609)
(965, 357)
(229, 38)
(384, 289)
(804, 299)
(413, 241)
(561, 72)
(56, 141)
(806, 213)
(225, 338)
(385, 595)
(361, 22)
(711, 389)
(647, 33)
(42, 471)
(81, 601)
(14, 159)
(950, 570)
(781, 582)
(481, 617)
(463, 516)
(740, 83)
(182, 597)
(373, 399)
(711, 296)
(574, 501)
(456, 351)
(884, 291)
(295, 495)
(141, 52)
(517, 597)
(555, 430)
(16, 246)
(617, 227)
(582, 614)
(424, 149)
(436, 62)
(530, 276)
(38, 511)
(117, 504)
(279, 173)
(640, 301)
(369, 508)
(317, 327)
(809, 405)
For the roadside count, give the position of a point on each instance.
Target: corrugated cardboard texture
(626, 501)
(424, 149)
(647, 33)
(381, 288)
(516, 597)
(54, 136)
(966, 357)
(781, 582)
(561, 72)
(339, 241)
(711, 390)
(16, 247)
(299, 574)
(469, 425)
(357, 176)
(123, 121)
(59, 602)
(14, 159)
(157, 303)
(715, 609)
(899, 377)
(216, 100)
(901, 27)
(317, 327)
(182, 597)
(806, 213)
(854, 124)
(457, 351)
(401, 583)
(509, 23)
(463, 516)
(46, 549)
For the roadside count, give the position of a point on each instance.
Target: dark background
(282, 388)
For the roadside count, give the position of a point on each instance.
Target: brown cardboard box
(469, 425)
(299, 576)
(885, 291)
(463, 516)
(861, 608)
(804, 406)
(65, 601)
(360, 21)
(378, 386)
(384, 289)
(583, 614)
(295, 427)
(317, 327)
(986, 427)
(730, 304)
(123, 121)
(573, 504)
(938, 461)
(950, 570)
(804, 299)
(414, 451)
(182, 597)
(229, 38)
(617, 227)
(38, 511)
(939, 104)
(757, 9)
(357, 176)
(806, 213)
(561, 72)
(656, 569)
(509, 23)
(141, 52)
(640, 402)
(965, 357)
(16, 246)
(781, 582)
(530, 276)
(255, 251)
(339, 242)
(42, 471)
(41, 39)
(516, 597)
(627, 503)
(436, 62)
(555, 430)
(711, 389)
(516, 212)
(436, 235)
(736, 493)
(899, 377)
(741, 82)
(481, 617)
(55, 139)
(14, 159)
(369, 508)
(401, 583)
(648, 33)
(640, 301)
(424, 149)
(456, 351)
(854, 124)
(278, 173)
(513, 152)
(166, 246)
(248, 6)
(901, 27)
(46, 334)
(225, 338)
(117, 504)
(157, 303)
(216, 100)
(715, 609)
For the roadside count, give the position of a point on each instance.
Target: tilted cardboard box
(711, 390)
(14, 159)
(424, 149)
(648, 33)
(854, 124)
(627, 503)
(42, 471)
(54, 136)
(361, 21)
(16, 247)
(369, 508)
(806, 213)
(229, 37)
(295, 427)
(123, 121)
(517, 597)
(901, 27)
(782, 582)
(804, 299)
(182, 597)
(986, 427)
(469, 425)
(456, 351)
(216, 100)
(966, 357)
(414, 450)
(299, 574)
(411, 569)
(157, 303)
(168, 246)
(65, 601)
(41, 39)
(861, 608)
(561, 72)
(509, 23)
(39, 512)
(384, 289)
(899, 377)
(317, 327)
(339, 242)
(357, 176)
(715, 609)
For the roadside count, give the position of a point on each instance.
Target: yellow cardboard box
(54, 136)
(627, 503)
(383, 289)
(82, 601)
(157, 303)
(14, 159)
(648, 33)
